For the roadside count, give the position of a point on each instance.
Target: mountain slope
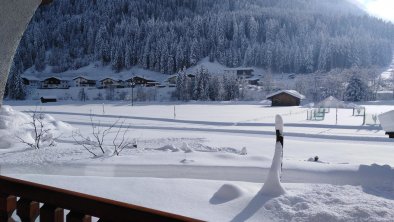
(299, 36)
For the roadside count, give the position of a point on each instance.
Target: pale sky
(380, 8)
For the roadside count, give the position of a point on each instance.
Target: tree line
(291, 36)
(205, 86)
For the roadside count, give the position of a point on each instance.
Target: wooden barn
(286, 98)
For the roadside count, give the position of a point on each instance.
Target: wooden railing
(82, 207)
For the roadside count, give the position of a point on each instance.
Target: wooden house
(253, 81)
(240, 72)
(55, 83)
(286, 98)
(111, 82)
(138, 80)
(152, 84)
(31, 81)
(82, 81)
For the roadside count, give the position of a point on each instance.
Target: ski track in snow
(236, 131)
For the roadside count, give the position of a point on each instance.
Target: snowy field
(182, 161)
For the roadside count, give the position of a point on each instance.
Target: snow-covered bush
(41, 135)
(98, 143)
(35, 129)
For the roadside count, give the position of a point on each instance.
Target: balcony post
(78, 217)
(49, 213)
(27, 210)
(7, 207)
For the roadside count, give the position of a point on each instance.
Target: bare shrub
(97, 143)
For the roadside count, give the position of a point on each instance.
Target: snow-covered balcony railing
(82, 207)
(387, 122)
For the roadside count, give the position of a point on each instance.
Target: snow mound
(170, 148)
(266, 102)
(226, 193)
(11, 119)
(14, 123)
(185, 161)
(319, 202)
(186, 148)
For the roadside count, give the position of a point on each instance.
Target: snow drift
(15, 124)
(226, 193)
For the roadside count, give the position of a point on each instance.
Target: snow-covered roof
(30, 78)
(331, 102)
(56, 77)
(288, 91)
(387, 121)
(83, 77)
(239, 68)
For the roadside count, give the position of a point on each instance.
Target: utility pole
(132, 84)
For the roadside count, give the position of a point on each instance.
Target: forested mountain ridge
(300, 36)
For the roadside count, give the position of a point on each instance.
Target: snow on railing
(82, 206)
(387, 122)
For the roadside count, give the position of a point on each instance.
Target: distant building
(152, 84)
(138, 80)
(55, 83)
(240, 72)
(111, 82)
(31, 81)
(384, 95)
(286, 98)
(191, 76)
(82, 81)
(172, 79)
(253, 81)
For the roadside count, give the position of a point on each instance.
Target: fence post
(279, 136)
